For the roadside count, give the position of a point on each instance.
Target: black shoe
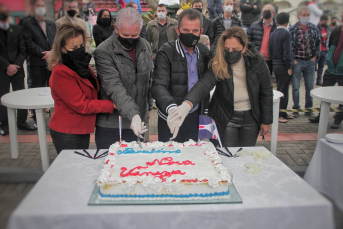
(26, 126)
(310, 114)
(4, 130)
(295, 114)
(336, 124)
(319, 83)
(314, 119)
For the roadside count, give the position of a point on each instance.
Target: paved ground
(296, 145)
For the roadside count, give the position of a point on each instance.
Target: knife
(139, 142)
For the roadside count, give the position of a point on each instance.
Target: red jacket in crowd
(76, 102)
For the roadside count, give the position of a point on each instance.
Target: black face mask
(334, 23)
(3, 17)
(106, 21)
(189, 39)
(71, 13)
(128, 43)
(78, 16)
(198, 9)
(267, 14)
(232, 57)
(323, 25)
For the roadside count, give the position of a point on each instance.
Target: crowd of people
(174, 62)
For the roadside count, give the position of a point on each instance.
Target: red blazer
(76, 102)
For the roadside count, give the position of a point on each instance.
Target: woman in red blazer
(74, 88)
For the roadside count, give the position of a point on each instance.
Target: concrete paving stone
(5, 162)
(298, 160)
(35, 163)
(305, 158)
(16, 162)
(287, 160)
(309, 152)
(281, 152)
(25, 163)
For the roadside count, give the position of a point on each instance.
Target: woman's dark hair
(98, 20)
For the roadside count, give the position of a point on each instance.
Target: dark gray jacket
(249, 13)
(260, 90)
(126, 85)
(207, 25)
(255, 33)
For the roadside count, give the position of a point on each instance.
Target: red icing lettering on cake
(163, 174)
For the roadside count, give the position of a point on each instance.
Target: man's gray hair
(129, 16)
(271, 6)
(301, 9)
(67, 1)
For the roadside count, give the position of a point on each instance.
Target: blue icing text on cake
(132, 151)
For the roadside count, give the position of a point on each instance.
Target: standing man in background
(12, 57)
(207, 24)
(306, 50)
(251, 12)
(160, 30)
(259, 33)
(39, 35)
(324, 34)
(214, 8)
(316, 12)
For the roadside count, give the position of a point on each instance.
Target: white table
(327, 95)
(275, 126)
(326, 170)
(275, 198)
(28, 99)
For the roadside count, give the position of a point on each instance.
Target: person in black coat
(178, 66)
(104, 27)
(242, 104)
(12, 57)
(251, 11)
(206, 23)
(39, 35)
(224, 21)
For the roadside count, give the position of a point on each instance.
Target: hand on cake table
(138, 126)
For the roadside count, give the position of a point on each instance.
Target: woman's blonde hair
(218, 64)
(64, 33)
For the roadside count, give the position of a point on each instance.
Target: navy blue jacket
(280, 47)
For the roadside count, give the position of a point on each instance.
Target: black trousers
(282, 85)
(330, 80)
(63, 141)
(105, 137)
(17, 82)
(188, 130)
(242, 130)
(40, 76)
(270, 66)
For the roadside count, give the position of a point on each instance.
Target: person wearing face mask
(160, 30)
(224, 21)
(324, 35)
(207, 24)
(39, 35)
(242, 103)
(104, 27)
(178, 66)
(74, 88)
(306, 51)
(124, 68)
(12, 57)
(334, 73)
(135, 6)
(70, 8)
(316, 12)
(333, 24)
(259, 33)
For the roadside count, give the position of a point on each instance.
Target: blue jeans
(214, 8)
(321, 63)
(307, 68)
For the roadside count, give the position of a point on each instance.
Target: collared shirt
(227, 22)
(71, 20)
(303, 44)
(42, 24)
(281, 27)
(270, 24)
(162, 38)
(192, 60)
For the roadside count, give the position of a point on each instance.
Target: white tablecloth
(275, 198)
(325, 171)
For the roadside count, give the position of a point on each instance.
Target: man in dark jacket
(259, 33)
(251, 10)
(324, 31)
(206, 23)
(280, 50)
(334, 72)
(12, 57)
(214, 8)
(306, 50)
(224, 21)
(178, 66)
(39, 35)
(124, 65)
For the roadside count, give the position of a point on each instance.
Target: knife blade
(139, 142)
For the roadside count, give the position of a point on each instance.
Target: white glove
(180, 113)
(138, 126)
